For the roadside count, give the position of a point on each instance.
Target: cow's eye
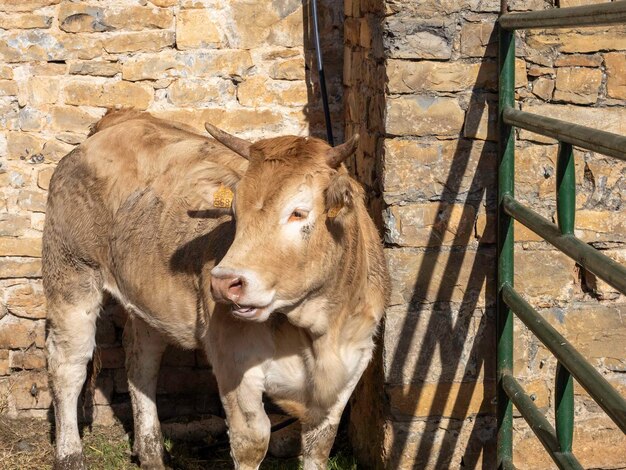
(298, 215)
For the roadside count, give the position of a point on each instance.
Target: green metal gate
(557, 442)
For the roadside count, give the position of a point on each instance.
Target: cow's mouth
(247, 312)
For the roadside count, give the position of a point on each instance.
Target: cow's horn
(336, 155)
(237, 145)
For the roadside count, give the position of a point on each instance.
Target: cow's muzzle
(244, 290)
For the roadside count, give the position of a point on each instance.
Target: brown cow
(285, 301)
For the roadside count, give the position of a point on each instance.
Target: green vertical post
(565, 188)
(564, 408)
(504, 316)
(566, 214)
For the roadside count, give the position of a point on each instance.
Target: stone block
(605, 447)
(192, 92)
(11, 246)
(544, 276)
(25, 21)
(423, 116)
(414, 38)
(72, 118)
(264, 22)
(18, 333)
(8, 88)
(577, 85)
(101, 68)
(613, 118)
(423, 76)
(584, 40)
(478, 40)
(103, 391)
(481, 121)
(25, 5)
(197, 29)
(42, 46)
(209, 64)
(430, 224)
(15, 267)
(27, 360)
(579, 3)
(4, 362)
(578, 60)
(454, 400)
(595, 330)
(86, 18)
(600, 226)
(290, 69)
(39, 90)
(437, 343)
(536, 171)
(13, 225)
(30, 390)
(463, 169)
(543, 88)
(428, 277)
(616, 75)
(259, 91)
(144, 41)
(32, 200)
(6, 72)
(24, 299)
(109, 94)
(436, 443)
(37, 221)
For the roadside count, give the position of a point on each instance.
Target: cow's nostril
(235, 286)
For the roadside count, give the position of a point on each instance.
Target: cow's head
(293, 208)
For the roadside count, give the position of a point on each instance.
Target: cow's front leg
(144, 348)
(248, 424)
(317, 441)
(318, 436)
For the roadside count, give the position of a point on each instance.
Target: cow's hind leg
(70, 343)
(144, 348)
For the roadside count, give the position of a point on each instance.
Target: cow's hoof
(70, 462)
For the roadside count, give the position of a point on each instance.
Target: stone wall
(244, 66)
(421, 83)
(420, 86)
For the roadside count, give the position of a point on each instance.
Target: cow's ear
(340, 197)
(212, 192)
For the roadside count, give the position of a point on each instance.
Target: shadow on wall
(427, 381)
(461, 332)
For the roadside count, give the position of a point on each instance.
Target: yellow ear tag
(223, 197)
(334, 211)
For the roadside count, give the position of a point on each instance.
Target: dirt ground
(26, 444)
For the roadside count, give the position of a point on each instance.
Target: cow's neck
(345, 316)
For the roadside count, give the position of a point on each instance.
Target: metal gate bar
(558, 443)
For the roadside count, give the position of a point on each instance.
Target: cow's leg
(69, 346)
(248, 424)
(318, 437)
(237, 351)
(144, 348)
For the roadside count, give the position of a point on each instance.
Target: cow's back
(115, 207)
